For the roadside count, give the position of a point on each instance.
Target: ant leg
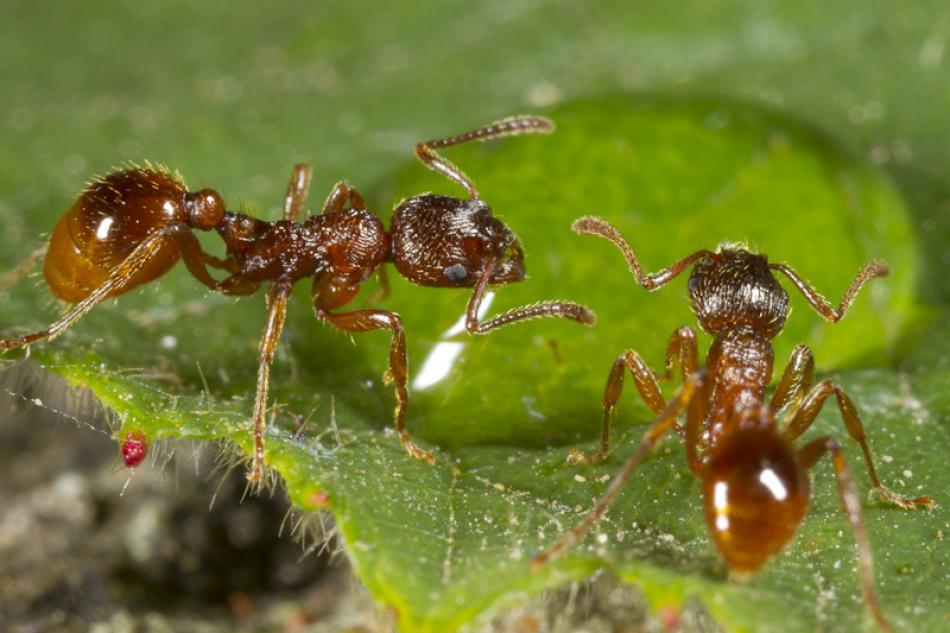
(649, 390)
(560, 309)
(660, 426)
(682, 349)
(364, 321)
(875, 268)
(196, 260)
(590, 225)
(848, 494)
(797, 378)
(22, 268)
(383, 290)
(118, 278)
(512, 126)
(297, 191)
(341, 194)
(276, 314)
(216, 262)
(806, 413)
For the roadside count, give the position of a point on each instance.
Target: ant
(131, 226)
(755, 483)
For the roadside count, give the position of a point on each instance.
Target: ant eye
(693, 284)
(456, 273)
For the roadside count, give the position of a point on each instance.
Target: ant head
(205, 209)
(735, 288)
(444, 241)
(755, 494)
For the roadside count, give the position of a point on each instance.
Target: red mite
(755, 482)
(132, 226)
(134, 449)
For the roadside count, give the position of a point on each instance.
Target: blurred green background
(233, 93)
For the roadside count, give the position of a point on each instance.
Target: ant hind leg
(661, 425)
(118, 278)
(851, 505)
(23, 268)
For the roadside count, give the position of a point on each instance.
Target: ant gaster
(131, 226)
(755, 484)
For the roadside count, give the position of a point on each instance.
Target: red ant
(131, 226)
(755, 483)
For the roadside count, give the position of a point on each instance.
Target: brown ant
(755, 484)
(131, 226)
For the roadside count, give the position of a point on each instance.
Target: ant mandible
(755, 484)
(131, 226)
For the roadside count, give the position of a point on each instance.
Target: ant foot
(414, 451)
(254, 475)
(905, 503)
(580, 458)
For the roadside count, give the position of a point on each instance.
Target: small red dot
(134, 449)
(319, 499)
(669, 617)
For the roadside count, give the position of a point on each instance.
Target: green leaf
(445, 544)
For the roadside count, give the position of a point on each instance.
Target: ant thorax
(735, 289)
(347, 243)
(739, 363)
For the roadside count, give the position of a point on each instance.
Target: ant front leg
(397, 373)
(276, 314)
(681, 349)
(851, 505)
(197, 262)
(796, 379)
(692, 396)
(590, 225)
(512, 126)
(875, 268)
(804, 415)
(543, 309)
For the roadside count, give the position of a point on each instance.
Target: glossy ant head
(205, 209)
(444, 241)
(755, 493)
(734, 289)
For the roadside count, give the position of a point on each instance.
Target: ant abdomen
(102, 228)
(755, 493)
(448, 242)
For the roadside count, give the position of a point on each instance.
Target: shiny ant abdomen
(754, 480)
(131, 226)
